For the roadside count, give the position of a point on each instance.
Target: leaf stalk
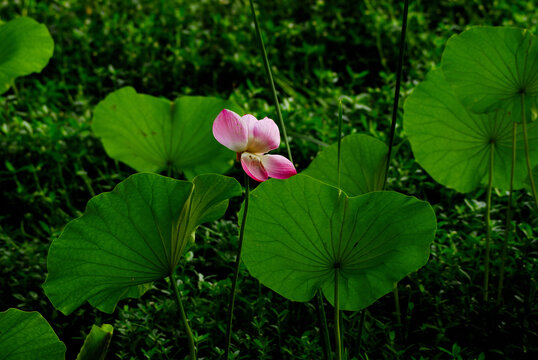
(337, 337)
(270, 78)
(397, 89)
(508, 227)
(393, 126)
(236, 272)
(527, 156)
(324, 327)
(488, 220)
(192, 348)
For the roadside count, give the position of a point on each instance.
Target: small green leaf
(10, 167)
(25, 47)
(453, 144)
(362, 164)
(96, 343)
(27, 335)
(490, 67)
(300, 229)
(152, 134)
(130, 237)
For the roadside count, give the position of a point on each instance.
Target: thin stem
(324, 327)
(361, 327)
(337, 337)
(393, 125)
(378, 38)
(342, 331)
(508, 227)
(488, 220)
(192, 348)
(339, 139)
(397, 304)
(236, 272)
(270, 78)
(397, 89)
(527, 157)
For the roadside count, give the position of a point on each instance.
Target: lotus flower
(251, 139)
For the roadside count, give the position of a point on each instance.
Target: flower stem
(397, 89)
(488, 220)
(270, 78)
(527, 157)
(192, 348)
(337, 337)
(324, 327)
(508, 227)
(236, 272)
(393, 125)
(339, 139)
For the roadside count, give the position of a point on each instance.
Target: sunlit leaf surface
(25, 47)
(153, 134)
(27, 335)
(454, 145)
(96, 343)
(362, 164)
(130, 237)
(490, 68)
(298, 230)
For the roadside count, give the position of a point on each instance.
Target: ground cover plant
(328, 274)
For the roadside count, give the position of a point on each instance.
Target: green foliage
(25, 47)
(27, 335)
(298, 231)
(96, 343)
(130, 237)
(320, 52)
(363, 160)
(152, 134)
(454, 145)
(491, 68)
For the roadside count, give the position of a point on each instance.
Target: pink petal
(251, 122)
(230, 131)
(265, 137)
(278, 166)
(252, 164)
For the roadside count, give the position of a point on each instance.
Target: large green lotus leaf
(28, 336)
(207, 202)
(130, 237)
(96, 343)
(527, 181)
(362, 164)
(454, 145)
(25, 47)
(153, 134)
(298, 230)
(489, 67)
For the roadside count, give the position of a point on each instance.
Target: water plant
(325, 227)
